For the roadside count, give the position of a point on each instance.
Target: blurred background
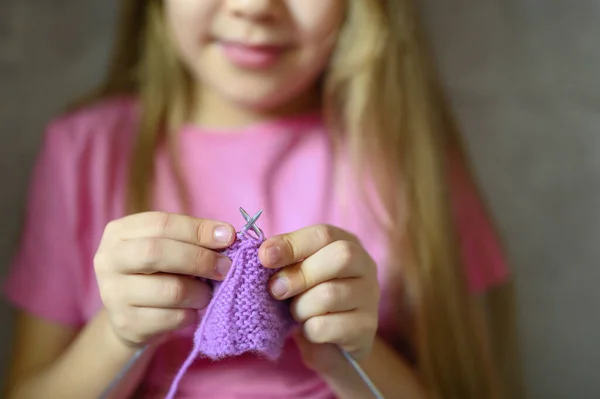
(525, 78)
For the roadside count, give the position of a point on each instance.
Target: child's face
(255, 53)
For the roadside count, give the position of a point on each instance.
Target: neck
(216, 112)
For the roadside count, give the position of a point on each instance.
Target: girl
(324, 113)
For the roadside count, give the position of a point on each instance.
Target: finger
(139, 324)
(342, 259)
(153, 255)
(202, 232)
(350, 330)
(286, 249)
(329, 297)
(167, 291)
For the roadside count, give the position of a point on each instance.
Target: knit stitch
(242, 317)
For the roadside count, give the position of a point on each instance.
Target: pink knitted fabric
(242, 316)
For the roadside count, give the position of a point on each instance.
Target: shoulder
(86, 151)
(108, 121)
(91, 144)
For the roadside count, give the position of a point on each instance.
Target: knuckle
(109, 291)
(363, 331)
(201, 233)
(330, 294)
(291, 249)
(100, 261)
(176, 291)
(151, 252)
(111, 227)
(121, 322)
(179, 317)
(303, 279)
(139, 339)
(126, 324)
(325, 234)
(318, 330)
(201, 257)
(345, 253)
(163, 221)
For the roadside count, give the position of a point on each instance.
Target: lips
(251, 56)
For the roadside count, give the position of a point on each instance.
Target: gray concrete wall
(525, 77)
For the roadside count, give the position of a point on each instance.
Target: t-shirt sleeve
(482, 252)
(44, 276)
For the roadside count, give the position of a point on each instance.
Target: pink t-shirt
(283, 167)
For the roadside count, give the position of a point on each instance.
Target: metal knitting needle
(251, 223)
(368, 382)
(122, 373)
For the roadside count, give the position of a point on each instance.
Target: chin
(259, 100)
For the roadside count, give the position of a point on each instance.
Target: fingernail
(273, 255)
(223, 266)
(280, 287)
(222, 234)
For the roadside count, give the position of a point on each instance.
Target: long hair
(380, 80)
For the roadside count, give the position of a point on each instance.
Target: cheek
(317, 24)
(317, 20)
(188, 22)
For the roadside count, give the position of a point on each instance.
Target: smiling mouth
(252, 56)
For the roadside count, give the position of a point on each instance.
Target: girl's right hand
(146, 266)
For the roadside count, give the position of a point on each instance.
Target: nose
(261, 10)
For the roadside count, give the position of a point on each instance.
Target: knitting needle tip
(251, 222)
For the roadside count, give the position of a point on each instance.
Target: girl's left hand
(333, 282)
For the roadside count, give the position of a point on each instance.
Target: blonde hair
(380, 81)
